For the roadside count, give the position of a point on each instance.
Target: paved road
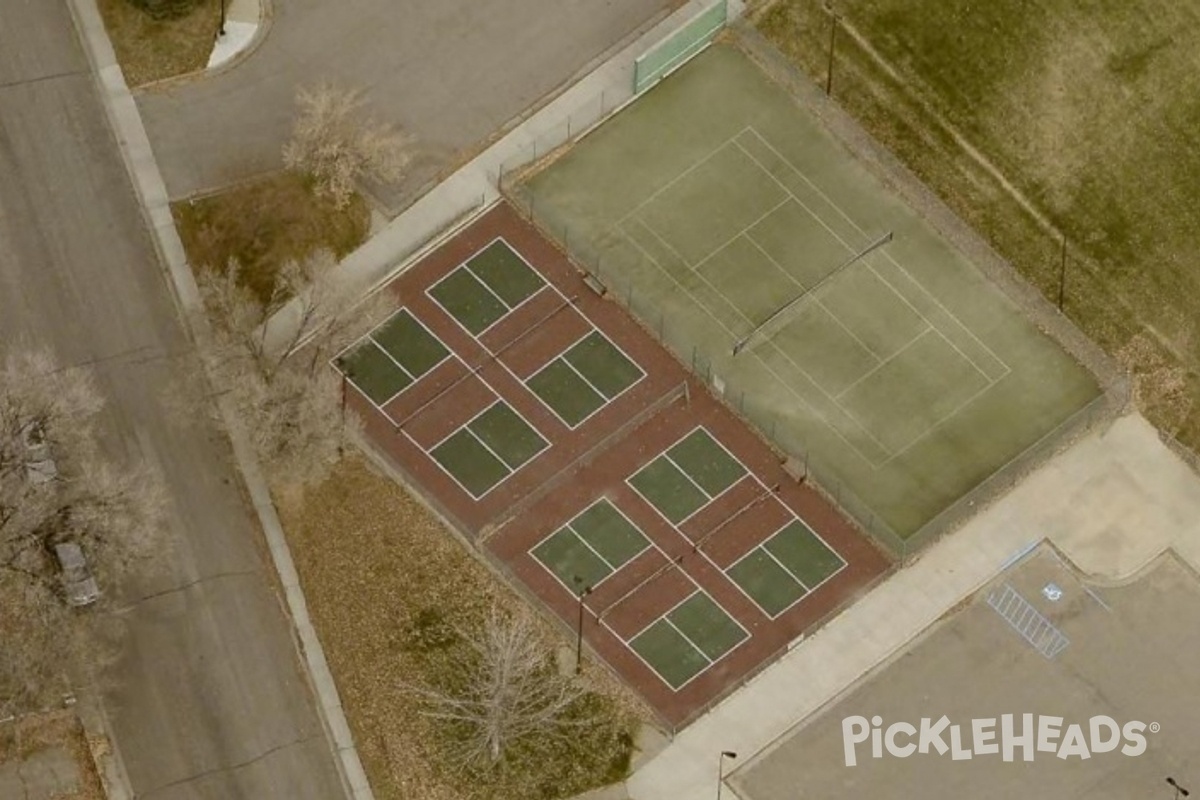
(454, 72)
(211, 704)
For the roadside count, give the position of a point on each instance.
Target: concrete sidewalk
(243, 19)
(474, 186)
(1111, 503)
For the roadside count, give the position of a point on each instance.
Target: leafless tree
(336, 143)
(508, 688)
(55, 484)
(290, 396)
(58, 487)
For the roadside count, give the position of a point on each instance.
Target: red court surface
(738, 510)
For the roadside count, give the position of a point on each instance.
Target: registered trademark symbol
(1155, 727)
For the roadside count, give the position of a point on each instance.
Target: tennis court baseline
(486, 287)
(392, 357)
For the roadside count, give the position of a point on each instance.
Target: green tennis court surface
(583, 379)
(903, 374)
(392, 357)
(687, 476)
(591, 547)
(783, 569)
(688, 639)
(488, 449)
(486, 287)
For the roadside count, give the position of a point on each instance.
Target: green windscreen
(679, 46)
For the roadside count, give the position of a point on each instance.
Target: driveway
(453, 72)
(208, 701)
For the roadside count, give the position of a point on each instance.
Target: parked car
(78, 584)
(39, 464)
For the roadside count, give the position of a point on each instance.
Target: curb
(147, 182)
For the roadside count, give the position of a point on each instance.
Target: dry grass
(266, 223)
(1087, 113)
(26, 736)
(150, 50)
(384, 579)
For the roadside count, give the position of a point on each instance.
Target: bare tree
(55, 484)
(290, 396)
(56, 488)
(336, 143)
(508, 688)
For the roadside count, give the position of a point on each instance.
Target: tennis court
(811, 297)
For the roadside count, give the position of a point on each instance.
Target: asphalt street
(208, 701)
(452, 72)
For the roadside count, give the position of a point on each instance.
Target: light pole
(721, 769)
(579, 627)
(833, 24)
(1179, 790)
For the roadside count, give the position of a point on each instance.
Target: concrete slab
(1127, 659)
(1111, 503)
(43, 775)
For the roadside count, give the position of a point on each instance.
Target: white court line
(743, 232)
(890, 455)
(615, 346)
(885, 362)
(746, 636)
(562, 357)
(749, 597)
(596, 552)
(695, 165)
(650, 545)
(451, 475)
(816, 298)
(763, 546)
(463, 268)
(733, 337)
(665, 453)
(885, 254)
(515, 252)
(408, 313)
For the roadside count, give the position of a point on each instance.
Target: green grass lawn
(1088, 111)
